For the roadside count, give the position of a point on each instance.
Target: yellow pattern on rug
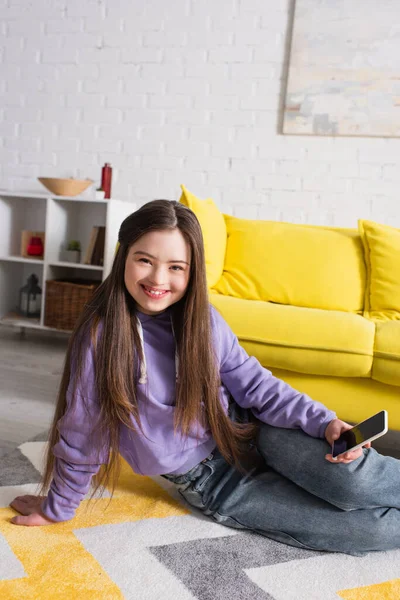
(39, 548)
(390, 590)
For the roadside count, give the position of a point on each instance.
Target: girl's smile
(153, 293)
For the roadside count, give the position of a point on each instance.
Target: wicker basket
(65, 300)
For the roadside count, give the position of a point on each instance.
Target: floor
(30, 371)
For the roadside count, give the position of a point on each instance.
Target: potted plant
(73, 252)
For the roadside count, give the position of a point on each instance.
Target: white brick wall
(189, 91)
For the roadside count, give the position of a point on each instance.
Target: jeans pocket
(199, 484)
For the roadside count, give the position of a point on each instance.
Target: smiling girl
(155, 374)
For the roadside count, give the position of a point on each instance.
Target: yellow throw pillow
(299, 265)
(382, 257)
(214, 233)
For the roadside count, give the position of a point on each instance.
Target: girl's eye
(147, 261)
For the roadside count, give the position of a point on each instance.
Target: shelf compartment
(66, 221)
(14, 275)
(18, 214)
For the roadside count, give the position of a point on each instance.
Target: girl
(154, 373)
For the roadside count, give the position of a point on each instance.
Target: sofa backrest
(301, 265)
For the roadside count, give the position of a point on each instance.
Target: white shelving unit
(62, 219)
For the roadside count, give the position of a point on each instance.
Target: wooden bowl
(65, 187)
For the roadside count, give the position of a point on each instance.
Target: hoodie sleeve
(270, 399)
(75, 458)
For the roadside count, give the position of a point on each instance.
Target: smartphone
(364, 432)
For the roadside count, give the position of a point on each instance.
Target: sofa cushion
(319, 342)
(354, 399)
(386, 367)
(214, 233)
(298, 265)
(382, 257)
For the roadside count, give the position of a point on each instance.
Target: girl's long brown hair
(117, 351)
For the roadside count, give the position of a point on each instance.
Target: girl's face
(157, 270)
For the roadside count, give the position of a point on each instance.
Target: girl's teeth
(154, 293)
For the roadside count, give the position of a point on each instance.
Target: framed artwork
(344, 72)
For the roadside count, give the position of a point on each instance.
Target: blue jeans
(295, 496)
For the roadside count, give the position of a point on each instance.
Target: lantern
(30, 298)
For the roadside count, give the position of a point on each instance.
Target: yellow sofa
(318, 306)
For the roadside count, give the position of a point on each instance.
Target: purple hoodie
(159, 451)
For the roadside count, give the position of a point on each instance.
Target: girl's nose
(157, 276)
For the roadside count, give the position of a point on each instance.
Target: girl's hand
(30, 507)
(332, 432)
